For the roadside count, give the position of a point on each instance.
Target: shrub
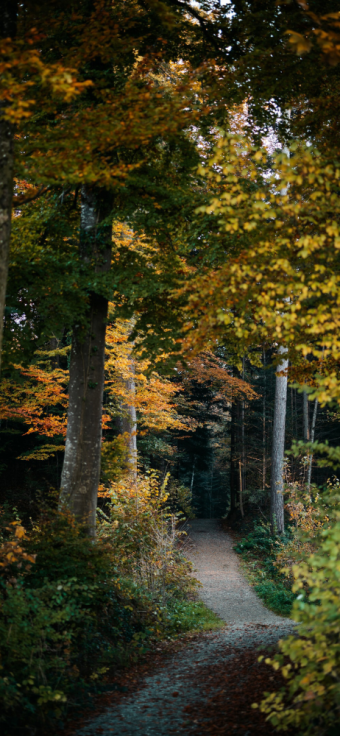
(259, 540)
(145, 536)
(310, 701)
(276, 596)
(71, 607)
(260, 549)
(63, 618)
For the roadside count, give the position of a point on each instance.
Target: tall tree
(278, 447)
(8, 19)
(312, 438)
(27, 82)
(81, 468)
(125, 125)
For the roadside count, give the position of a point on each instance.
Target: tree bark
(264, 459)
(305, 417)
(243, 456)
(192, 479)
(312, 437)
(233, 465)
(81, 468)
(128, 420)
(241, 489)
(129, 427)
(8, 17)
(277, 501)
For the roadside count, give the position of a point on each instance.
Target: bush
(145, 536)
(310, 701)
(259, 540)
(276, 596)
(71, 608)
(63, 618)
(260, 550)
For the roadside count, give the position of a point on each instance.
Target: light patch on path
(158, 708)
(225, 589)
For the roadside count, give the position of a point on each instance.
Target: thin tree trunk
(81, 468)
(128, 419)
(192, 479)
(312, 437)
(305, 427)
(277, 501)
(233, 469)
(241, 489)
(243, 477)
(129, 425)
(296, 414)
(305, 417)
(211, 505)
(8, 19)
(264, 459)
(279, 431)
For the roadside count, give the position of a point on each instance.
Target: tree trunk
(233, 466)
(128, 419)
(241, 489)
(129, 426)
(312, 437)
(277, 501)
(8, 17)
(243, 456)
(305, 417)
(192, 479)
(264, 459)
(81, 468)
(305, 424)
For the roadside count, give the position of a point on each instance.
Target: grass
(274, 593)
(257, 552)
(185, 616)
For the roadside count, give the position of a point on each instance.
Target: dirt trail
(224, 590)
(184, 695)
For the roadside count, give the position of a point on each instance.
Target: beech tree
(122, 121)
(28, 82)
(279, 433)
(81, 468)
(280, 235)
(7, 30)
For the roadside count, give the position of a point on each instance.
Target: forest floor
(207, 683)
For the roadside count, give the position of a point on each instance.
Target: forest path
(207, 687)
(225, 589)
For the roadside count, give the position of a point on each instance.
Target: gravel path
(224, 590)
(162, 706)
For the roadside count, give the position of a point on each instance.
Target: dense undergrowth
(259, 550)
(299, 575)
(310, 660)
(73, 610)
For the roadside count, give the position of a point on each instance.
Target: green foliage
(146, 541)
(258, 551)
(62, 619)
(63, 551)
(326, 456)
(180, 498)
(310, 700)
(260, 540)
(113, 459)
(276, 596)
(185, 615)
(71, 608)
